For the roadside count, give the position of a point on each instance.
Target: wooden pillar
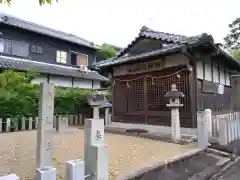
(113, 94)
(145, 100)
(193, 93)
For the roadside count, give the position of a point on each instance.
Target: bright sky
(119, 21)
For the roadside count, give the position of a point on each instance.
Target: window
(36, 49)
(61, 57)
(5, 46)
(12, 47)
(20, 48)
(82, 59)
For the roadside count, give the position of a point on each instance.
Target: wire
(159, 77)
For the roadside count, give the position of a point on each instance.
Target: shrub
(18, 97)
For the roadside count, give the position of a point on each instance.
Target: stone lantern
(174, 104)
(97, 101)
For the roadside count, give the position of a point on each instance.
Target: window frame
(60, 59)
(37, 49)
(77, 53)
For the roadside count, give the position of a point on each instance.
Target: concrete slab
(153, 128)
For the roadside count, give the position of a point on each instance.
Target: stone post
(80, 119)
(93, 135)
(23, 124)
(36, 122)
(10, 177)
(75, 170)
(223, 129)
(8, 124)
(202, 129)
(45, 126)
(71, 119)
(99, 161)
(15, 123)
(0, 125)
(95, 112)
(46, 173)
(76, 119)
(107, 120)
(30, 123)
(208, 114)
(62, 124)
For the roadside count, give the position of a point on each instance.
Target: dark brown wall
(235, 80)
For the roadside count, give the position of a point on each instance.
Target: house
(144, 71)
(60, 58)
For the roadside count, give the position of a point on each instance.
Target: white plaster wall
(67, 82)
(82, 83)
(200, 69)
(219, 75)
(208, 70)
(39, 79)
(61, 81)
(96, 85)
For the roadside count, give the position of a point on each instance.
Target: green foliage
(106, 52)
(20, 98)
(232, 40)
(236, 54)
(41, 2)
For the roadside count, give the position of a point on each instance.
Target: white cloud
(118, 22)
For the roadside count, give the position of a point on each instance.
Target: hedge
(18, 97)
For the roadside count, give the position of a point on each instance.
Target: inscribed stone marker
(93, 135)
(45, 126)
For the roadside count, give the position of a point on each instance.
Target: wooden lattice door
(136, 96)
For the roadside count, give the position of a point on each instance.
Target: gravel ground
(17, 152)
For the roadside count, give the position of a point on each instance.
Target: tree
(236, 54)
(232, 40)
(41, 2)
(106, 52)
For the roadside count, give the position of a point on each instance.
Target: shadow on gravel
(181, 170)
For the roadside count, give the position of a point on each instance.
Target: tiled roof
(152, 34)
(45, 68)
(171, 48)
(167, 37)
(27, 25)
